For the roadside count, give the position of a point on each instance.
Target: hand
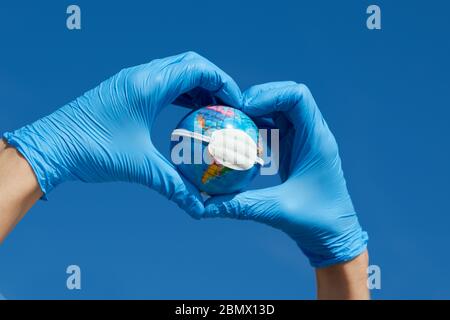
(312, 205)
(105, 135)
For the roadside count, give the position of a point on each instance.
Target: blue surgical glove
(312, 205)
(105, 135)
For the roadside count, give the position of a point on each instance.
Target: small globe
(211, 176)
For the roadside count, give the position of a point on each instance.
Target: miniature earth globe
(218, 149)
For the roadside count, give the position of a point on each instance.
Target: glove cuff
(342, 250)
(33, 149)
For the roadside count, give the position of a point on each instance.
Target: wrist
(346, 280)
(45, 175)
(19, 189)
(45, 144)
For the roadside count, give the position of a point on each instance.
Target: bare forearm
(344, 281)
(19, 189)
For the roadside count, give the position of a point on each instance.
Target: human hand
(105, 135)
(312, 205)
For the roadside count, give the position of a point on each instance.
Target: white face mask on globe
(232, 148)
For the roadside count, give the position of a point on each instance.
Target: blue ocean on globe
(215, 178)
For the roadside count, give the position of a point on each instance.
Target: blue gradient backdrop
(384, 94)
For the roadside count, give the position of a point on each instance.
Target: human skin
(346, 280)
(19, 191)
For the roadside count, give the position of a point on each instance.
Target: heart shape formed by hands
(105, 135)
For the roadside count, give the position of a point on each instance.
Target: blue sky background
(384, 95)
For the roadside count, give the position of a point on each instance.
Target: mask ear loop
(190, 134)
(259, 161)
(201, 137)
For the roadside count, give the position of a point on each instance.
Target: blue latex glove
(105, 135)
(312, 205)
